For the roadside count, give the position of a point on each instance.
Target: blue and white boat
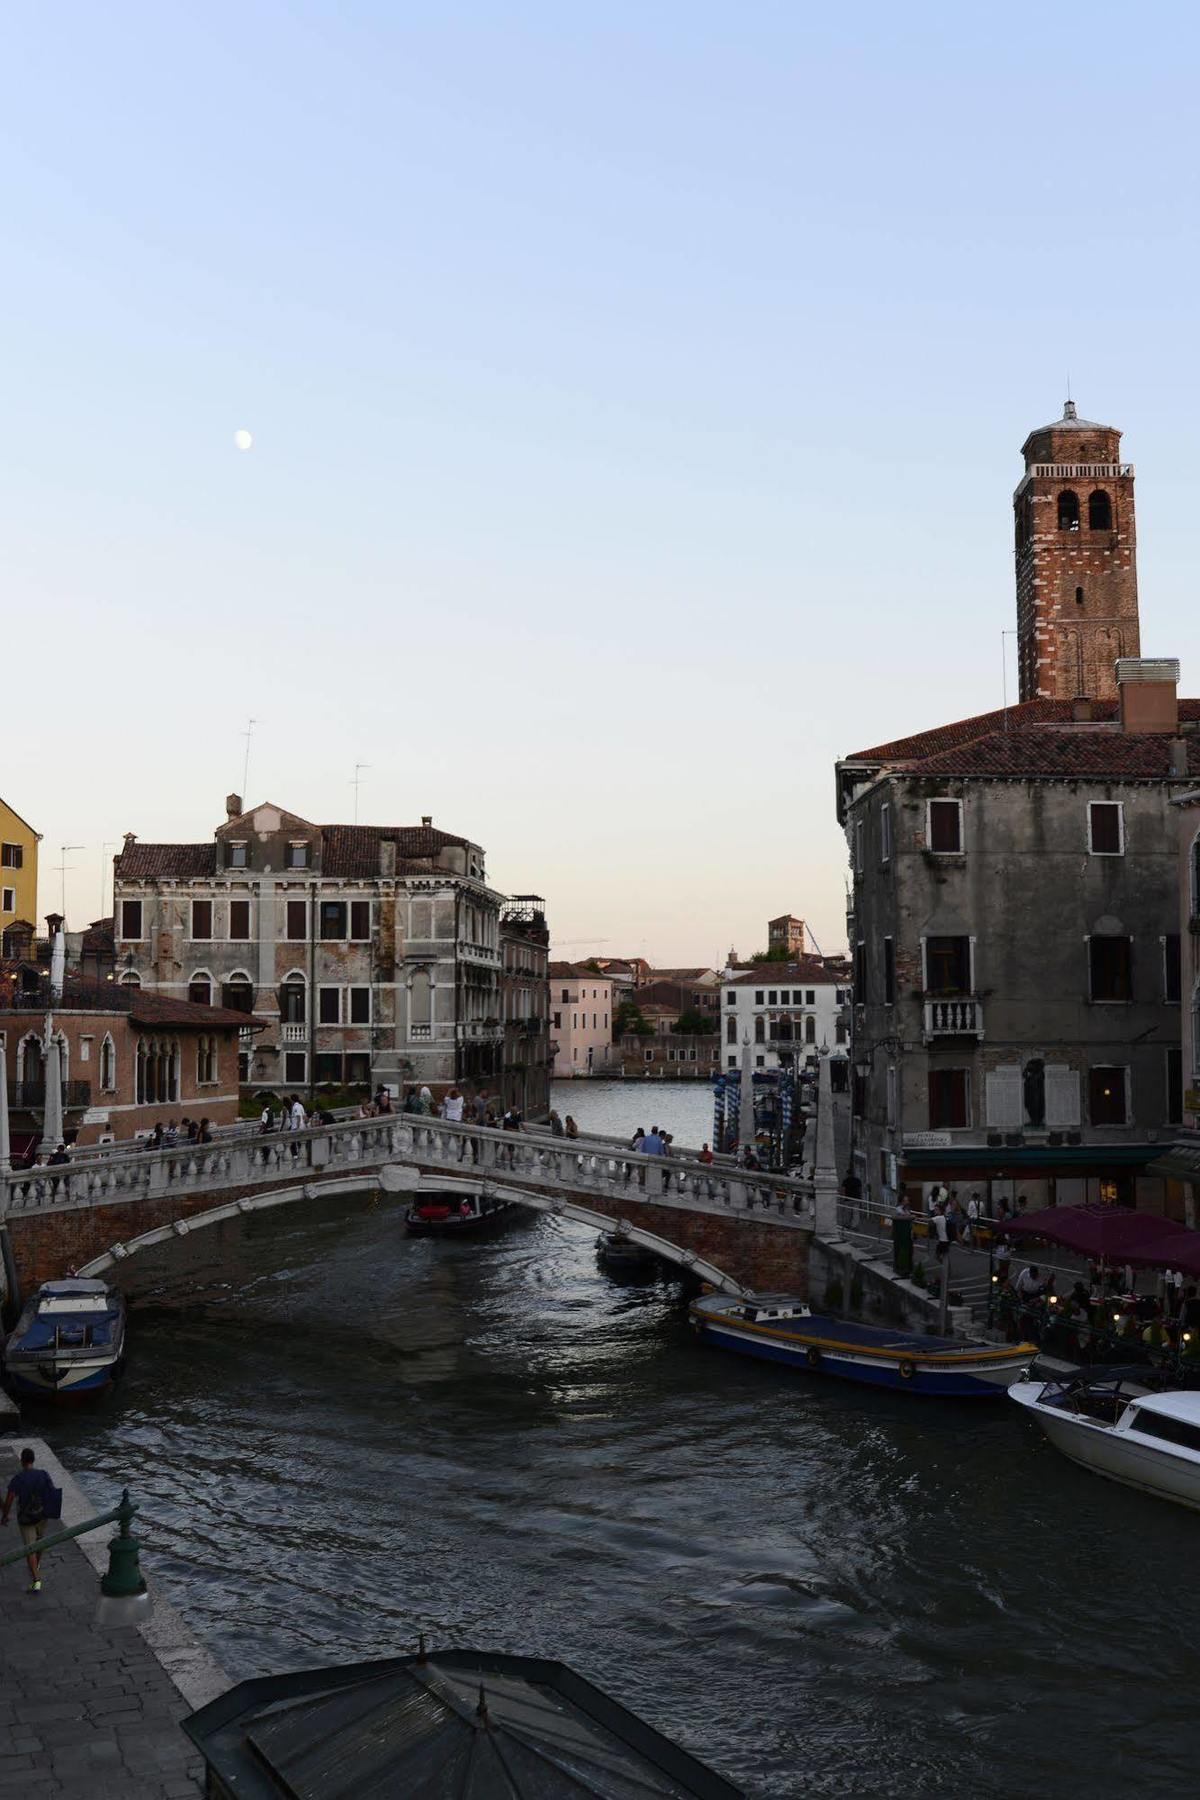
(69, 1341)
(781, 1329)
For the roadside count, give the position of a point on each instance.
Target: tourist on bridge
(570, 1128)
(513, 1121)
(38, 1501)
(266, 1118)
(480, 1108)
(706, 1155)
(941, 1233)
(556, 1124)
(426, 1099)
(637, 1142)
(412, 1101)
(452, 1106)
(652, 1144)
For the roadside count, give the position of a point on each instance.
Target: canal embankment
(89, 1711)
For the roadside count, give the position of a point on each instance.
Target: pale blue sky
(637, 395)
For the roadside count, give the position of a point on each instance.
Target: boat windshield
(49, 1333)
(1161, 1425)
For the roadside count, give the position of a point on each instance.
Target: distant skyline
(636, 402)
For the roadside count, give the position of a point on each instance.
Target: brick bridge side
(48, 1241)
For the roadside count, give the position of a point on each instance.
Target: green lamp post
(124, 1596)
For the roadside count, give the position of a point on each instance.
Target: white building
(789, 1011)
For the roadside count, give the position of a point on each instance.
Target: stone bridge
(739, 1230)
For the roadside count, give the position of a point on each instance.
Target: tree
(628, 1017)
(593, 963)
(776, 954)
(694, 1023)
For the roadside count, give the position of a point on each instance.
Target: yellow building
(18, 869)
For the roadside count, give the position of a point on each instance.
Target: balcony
(30, 1096)
(961, 1017)
(293, 1034)
(420, 1031)
(478, 1031)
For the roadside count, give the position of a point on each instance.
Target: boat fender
(812, 1357)
(907, 1370)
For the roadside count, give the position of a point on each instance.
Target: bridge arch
(397, 1180)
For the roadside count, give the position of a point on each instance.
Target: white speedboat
(69, 1341)
(1114, 1424)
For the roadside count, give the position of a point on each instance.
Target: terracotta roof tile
(141, 862)
(1018, 719)
(158, 1009)
(776, 974)
(1135, 756)
(349, 850)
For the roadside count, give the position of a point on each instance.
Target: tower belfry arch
(1076, 560)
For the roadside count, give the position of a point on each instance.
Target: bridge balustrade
(611, 1171)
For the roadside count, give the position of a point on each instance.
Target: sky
(637, 395)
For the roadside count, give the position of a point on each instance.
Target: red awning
(1108, 1234)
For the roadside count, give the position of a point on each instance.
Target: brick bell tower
(1076, 544)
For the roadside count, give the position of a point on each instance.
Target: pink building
(580, 1018)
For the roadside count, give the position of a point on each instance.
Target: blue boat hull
(948, 1372)
(82, 1386)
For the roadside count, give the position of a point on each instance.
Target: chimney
(1179, 759)
(387, 856)
(427, 819)
(1148, 689)
(233, 806)
(130, 838)
(1081, 709)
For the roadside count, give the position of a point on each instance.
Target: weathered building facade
(581, 1005)
(370, 953)
(525, 1004)
(1016, 957)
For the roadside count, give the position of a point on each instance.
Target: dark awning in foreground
(1182, 1163)
(460, 1725)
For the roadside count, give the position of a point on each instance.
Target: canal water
(342, 1437)
(617, 1108)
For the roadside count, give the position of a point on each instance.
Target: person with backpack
(38, 1502)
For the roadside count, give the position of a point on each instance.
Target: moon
(243, 439)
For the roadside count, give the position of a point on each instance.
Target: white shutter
(1062, 1097)
(1005, 1109)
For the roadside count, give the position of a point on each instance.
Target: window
(238, 994)
(12, 856)
(810, 996)
(1161, 1425)
(889, 971)
(1106, 828)
(649, 1055)
(297, 920)
(1172, 969)
(860, 973)
(85, 1049)
(236, 856)
(892, 1097)
(239, 920)
(1106, 1096)
(1173, 1111)
(1068, 511)
(360, 920)
(558, 1021)
(329, 1006)
(131, 918)
(360, 1006)
(1033, 1092)
(333, 919)
(202, 919)
(292, 1009)
(108, 1066)
(858, 846)
(772, 997)
(566, 995)
(944, 830)
(760, 1062)
(885, 832)
(760, 1033)
(758, 998)
(327, 1067)
(1099, 511)
(948, 1097)
(131, 980)
(8, 899)
(358, 1068)
(810, 1030)
(947, 965)
(297, 856)
(1110, 961)
(295, 1067)
(1079, 596)
(731, 998)
(200, 989)
(731, 1031)
(731, 1062)
(206, 1061)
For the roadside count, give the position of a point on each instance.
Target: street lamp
(124, 1596)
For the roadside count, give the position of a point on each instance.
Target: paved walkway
(84, 1714)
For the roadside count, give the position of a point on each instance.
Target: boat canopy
(1110, 1234)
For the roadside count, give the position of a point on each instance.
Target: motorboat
(782, 1329)
(1116, 1424)
(69, 1341)
(622, 1255)
(452, 1215)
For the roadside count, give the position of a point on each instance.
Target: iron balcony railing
(30, 1096)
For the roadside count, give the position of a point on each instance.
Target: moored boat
(1112, 1422)
(69, 1341)
(451, 1215)
(781, 1329)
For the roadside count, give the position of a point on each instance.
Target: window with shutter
(1062, 1097)
(1004, 1106)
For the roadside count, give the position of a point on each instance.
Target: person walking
(941, 1233)
(37, 1501)
(266, 1119)
(297, 1117)
(480, 1108)
(570, 1128)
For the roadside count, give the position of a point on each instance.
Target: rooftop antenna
(1004, 672)
(356, 784)
(247, 734)
(62, 869)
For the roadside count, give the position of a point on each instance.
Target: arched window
(238, 993)
(1099, 511)
(810, 1030)
(760, 1032)
(206, 1060)
(1079, 596)
(420, 1003)
(200, 988)
(131, 980)
(292, 995)
(1068, 510)
(108, 1065)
